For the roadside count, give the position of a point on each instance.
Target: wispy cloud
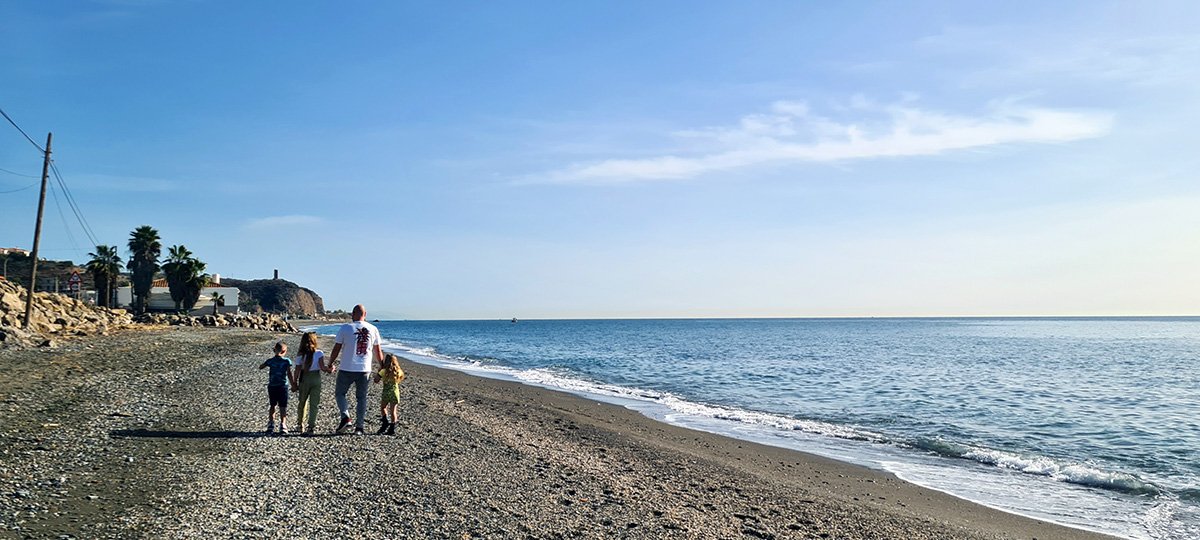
(791, 133)
(275, 222)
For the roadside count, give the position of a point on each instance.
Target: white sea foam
(554, 379)
(759, 426)
(1074, 473)
(1171, 519)
(1038, 465)
(681, 410)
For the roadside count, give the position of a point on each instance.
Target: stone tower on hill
(276, 296)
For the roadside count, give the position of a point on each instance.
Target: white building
(160, 297)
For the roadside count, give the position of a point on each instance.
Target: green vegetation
(145, 246)
(185, 277)
(218, 300)
(48, 272)
(185, 274)
(105, 267)
(176, 269)
(194, 283)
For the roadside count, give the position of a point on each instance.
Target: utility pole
(37, 233)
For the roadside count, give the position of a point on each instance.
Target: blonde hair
(391, 367)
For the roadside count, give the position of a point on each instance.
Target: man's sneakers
(359, 432)
(343, 425)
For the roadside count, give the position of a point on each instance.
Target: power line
(19, 189)
(18, 174)
(14, 124)
(70, 236)
(83, 224)
(87, 229)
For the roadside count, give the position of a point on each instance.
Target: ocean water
(1088, 422)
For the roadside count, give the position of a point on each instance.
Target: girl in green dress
(389, 375)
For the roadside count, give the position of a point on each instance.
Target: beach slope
(158, 434)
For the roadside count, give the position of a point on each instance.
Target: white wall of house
(231, 299)
(160, 298)
(124, 296)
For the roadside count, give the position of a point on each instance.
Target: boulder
(52, 315)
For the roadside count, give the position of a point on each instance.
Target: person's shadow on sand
(174, 434)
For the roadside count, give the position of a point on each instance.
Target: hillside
(19, 266)
(276, 296)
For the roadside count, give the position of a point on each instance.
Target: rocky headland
(277, 296)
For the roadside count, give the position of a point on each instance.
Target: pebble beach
(157, 433)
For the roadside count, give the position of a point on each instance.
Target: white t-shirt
(316, 365)
(358, 340)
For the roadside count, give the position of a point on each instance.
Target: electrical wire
(18, 174)
(19, 189)
(14, 124)
(83, 223)
(71, 237)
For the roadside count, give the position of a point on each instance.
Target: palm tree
(218, 300)
(177, 269)
(195, 283)
(105, 266)
(144, 248)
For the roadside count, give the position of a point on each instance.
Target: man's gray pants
(362, 383)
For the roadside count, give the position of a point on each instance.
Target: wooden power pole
(37, 233)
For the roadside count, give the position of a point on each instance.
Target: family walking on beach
(359, 341)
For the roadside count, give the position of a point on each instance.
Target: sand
(158, 433)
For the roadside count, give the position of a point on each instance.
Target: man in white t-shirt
(360, 340)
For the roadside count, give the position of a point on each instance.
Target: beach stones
(53, 315)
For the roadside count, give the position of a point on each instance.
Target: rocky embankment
(54, 317)
(58, 317)
(255, 321)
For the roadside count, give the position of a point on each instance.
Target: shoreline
(838, 479)
(658, 412)
(171, 450)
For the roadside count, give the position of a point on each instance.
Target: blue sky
(640, 159)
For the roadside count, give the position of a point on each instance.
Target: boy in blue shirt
(278, 381)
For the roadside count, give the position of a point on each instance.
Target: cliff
(276, 296)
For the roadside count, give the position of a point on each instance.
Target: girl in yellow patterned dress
(390, 375)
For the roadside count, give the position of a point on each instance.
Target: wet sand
(158, 434)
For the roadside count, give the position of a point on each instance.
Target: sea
(1092, 423)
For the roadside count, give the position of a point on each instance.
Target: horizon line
(788, 317)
